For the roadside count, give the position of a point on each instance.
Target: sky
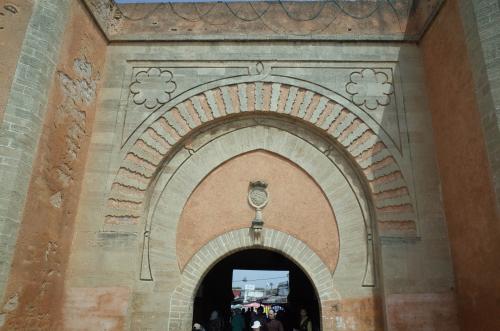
(259, 278)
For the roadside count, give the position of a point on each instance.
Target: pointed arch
(395, 212)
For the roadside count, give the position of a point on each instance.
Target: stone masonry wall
(14, 18)
(138, 138)
(23, 118)
(78, 230)
(35, 289)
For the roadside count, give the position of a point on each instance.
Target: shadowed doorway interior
(217, 290)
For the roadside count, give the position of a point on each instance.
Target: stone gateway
(150, 152)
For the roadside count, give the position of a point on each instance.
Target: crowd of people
(251, 320)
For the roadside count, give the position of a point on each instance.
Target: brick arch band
(181, 309)
(389, 192)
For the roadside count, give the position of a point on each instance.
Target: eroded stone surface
(347, 20)
(44, 240)
(385, 134)
(96, 308)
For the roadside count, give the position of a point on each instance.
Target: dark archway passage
(215, 291)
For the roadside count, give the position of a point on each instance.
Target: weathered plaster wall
(14, 17)
(36, 283)
(249, 20)
(104, 290)
(424, 311)
(467, 185)
(96, 309)
(298, 206)
(356, 314)
(23, 119)
(142, 82)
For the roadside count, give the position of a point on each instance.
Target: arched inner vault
(355, 134)
(354, 274)
(216, 290)
(231, 242)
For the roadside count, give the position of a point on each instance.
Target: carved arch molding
(353, 275)
(358, 137)
(181, 308)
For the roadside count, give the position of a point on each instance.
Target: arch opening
(353, 276)
(256, 277)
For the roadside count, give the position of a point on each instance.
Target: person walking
(215, 323)
(261, 317)
(256, 326)
(305, 322)
(198, 327)
(237, 321)
(273, 324)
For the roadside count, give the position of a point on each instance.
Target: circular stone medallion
(258, 195)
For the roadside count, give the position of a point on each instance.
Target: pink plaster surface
(102, 308)
(296, 206)
(422, 312)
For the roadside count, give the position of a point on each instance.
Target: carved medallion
(258, 195)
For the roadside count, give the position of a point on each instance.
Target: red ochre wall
(36, 284)
(467, 191)
(298, 206)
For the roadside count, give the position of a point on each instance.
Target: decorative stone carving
(152, 87)
(257, 68)
(373, 156)
(258, 198)
(258, 195)
(370, 88)
(78, 93)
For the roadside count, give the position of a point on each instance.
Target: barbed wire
(259, 16)
(359, 17)
(313, 17)
(147, 15)
(319, 30)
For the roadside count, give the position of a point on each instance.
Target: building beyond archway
(181, 304)
(215, 291)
